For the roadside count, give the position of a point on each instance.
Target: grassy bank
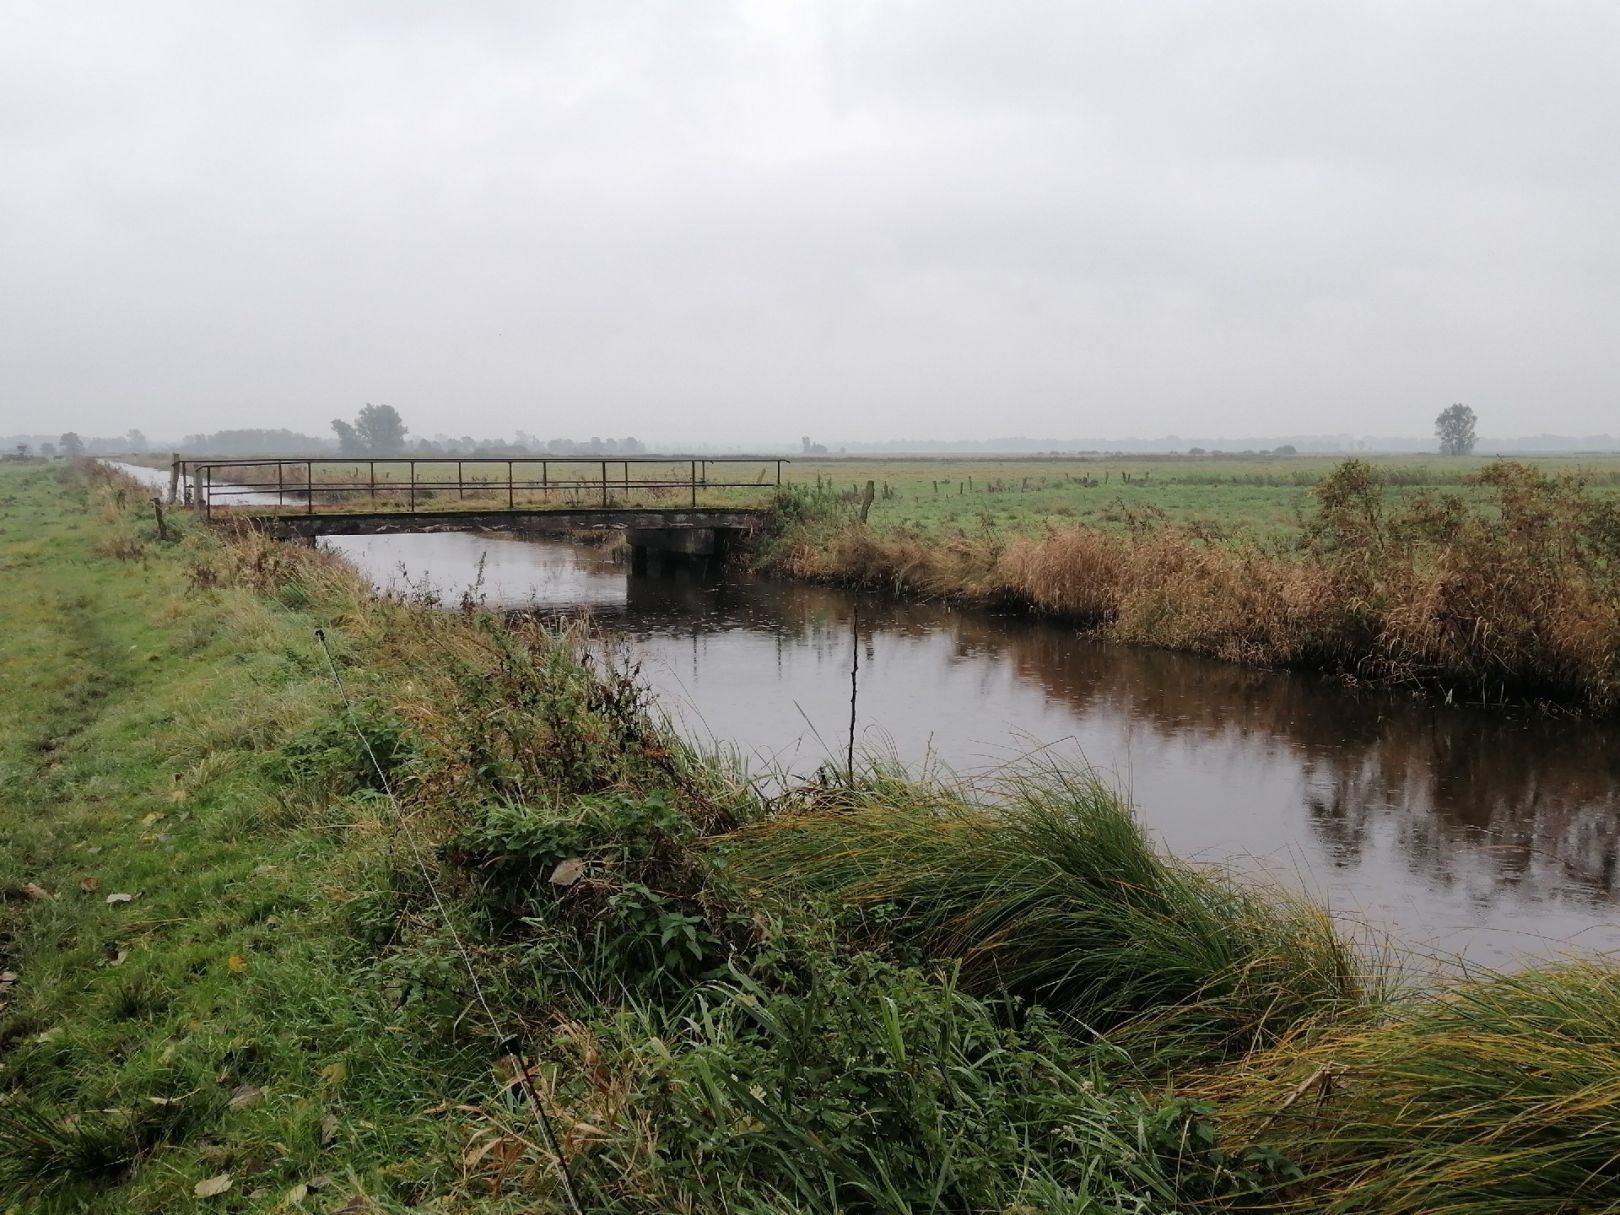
(1508, 592)
(888, 997)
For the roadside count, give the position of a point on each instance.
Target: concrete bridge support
(667, 548)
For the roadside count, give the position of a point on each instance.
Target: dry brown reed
(1518, 601)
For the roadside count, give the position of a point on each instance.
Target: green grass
(1255, 499)
(1252, 499)
(280, 1001)
(1052, 893)
(223, 1019)
(1501, 1095)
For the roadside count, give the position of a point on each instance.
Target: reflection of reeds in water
(1521, 600)
(1517, 793)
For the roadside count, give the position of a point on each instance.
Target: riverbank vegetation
(1509, 591)
(1233, 498)
(270, 943)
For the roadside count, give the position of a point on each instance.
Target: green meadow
(1261, 499)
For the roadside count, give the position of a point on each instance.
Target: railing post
(604, 484)
(694, 484)
(208, 492)
(309, 487)
(281, 500)
(174, 478)
(779, 474)
(412, 507)
(511, 491)
(461, 488)
(371, 488)
(545, 483)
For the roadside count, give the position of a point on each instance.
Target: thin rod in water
(854, 688)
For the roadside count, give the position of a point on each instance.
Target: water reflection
(1475, 832)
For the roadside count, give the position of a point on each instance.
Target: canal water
(1466, 833)
(1486, 836)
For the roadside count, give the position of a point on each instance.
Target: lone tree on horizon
(1455, 426)
(376, 430)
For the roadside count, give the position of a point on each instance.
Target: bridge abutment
(668, 548)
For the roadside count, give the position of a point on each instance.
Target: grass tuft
(1501, 1095)
(1055, 895)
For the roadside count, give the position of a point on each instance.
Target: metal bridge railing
(388, 483)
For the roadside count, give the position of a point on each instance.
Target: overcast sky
(736, 222)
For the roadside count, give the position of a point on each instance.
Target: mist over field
(736, 224)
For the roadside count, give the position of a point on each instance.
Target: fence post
(208, 492)
(694, 484)
(461, 486)
(371, 473)
(511, 490)
(412, 506)
(604, 483)
(309, 487)
(174, 478)
(280, 498)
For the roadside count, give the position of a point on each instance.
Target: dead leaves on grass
(212, 1186)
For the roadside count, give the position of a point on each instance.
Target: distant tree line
(254, 443)
(71, 445)
(523, 445)
(378, 430)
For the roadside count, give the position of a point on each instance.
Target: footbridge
(668, 507)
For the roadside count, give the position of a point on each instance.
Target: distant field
(1259, 499)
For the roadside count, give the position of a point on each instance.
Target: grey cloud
(718, 221)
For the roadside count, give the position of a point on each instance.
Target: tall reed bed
(1054, 894)
(1518, 599)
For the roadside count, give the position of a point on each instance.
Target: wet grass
(886, 998)
(219, 1019)
(1499, 1095)
(1050, 891)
